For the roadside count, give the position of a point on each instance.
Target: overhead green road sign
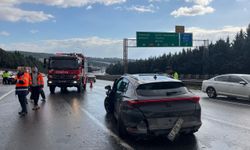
(186, 39)
(157, 39)
(164, 39)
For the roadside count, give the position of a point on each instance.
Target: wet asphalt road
(78, 121)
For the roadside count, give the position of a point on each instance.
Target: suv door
(122, 86)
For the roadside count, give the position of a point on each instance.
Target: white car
(232, 85)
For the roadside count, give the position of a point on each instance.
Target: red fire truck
(66, 70)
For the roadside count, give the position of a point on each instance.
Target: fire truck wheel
(79, 89)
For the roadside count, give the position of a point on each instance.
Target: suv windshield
(161, 89)
(63, 64)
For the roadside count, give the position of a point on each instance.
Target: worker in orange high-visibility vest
(22, 84)
(37, 83)
(27, 74)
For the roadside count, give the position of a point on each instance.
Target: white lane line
(215, 100)
(123, 143)
(234, 103)
(6, 94)
(226, 122)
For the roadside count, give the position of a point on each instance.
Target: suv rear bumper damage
(161, 132)
(161, 128)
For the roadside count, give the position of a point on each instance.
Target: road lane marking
(222, 101)
(225, 122)
(123, 143)
(6, 94)
(235, 103)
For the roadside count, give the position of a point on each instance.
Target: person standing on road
(22, 84)
(6, 76)
(36, 85)
(42, 95)
(27, 74)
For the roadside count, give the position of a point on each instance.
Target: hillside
(11, 60)
(92, 61)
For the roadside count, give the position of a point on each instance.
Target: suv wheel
(79, 88)
(108, 105)
(121, 128)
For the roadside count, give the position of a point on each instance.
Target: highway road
(72, 121)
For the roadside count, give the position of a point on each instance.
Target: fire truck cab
(66, 70)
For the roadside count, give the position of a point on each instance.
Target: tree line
(220, 57)
(11, 60)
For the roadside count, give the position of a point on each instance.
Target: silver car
(233, 85)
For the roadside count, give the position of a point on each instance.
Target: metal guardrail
(187, 82)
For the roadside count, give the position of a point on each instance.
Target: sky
(98, 27)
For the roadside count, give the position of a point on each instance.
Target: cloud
(242, 0)
(10, 13)
(200, 7)
(192, 11)
(152, 1)
(4, 33)
(215, 34)
(89, 7)
(34, 31)
(200, 2)
(143, 9)
(65, 3)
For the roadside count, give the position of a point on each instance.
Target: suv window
(161, 89)
(122, 85)
(221, 78)
(235, 79)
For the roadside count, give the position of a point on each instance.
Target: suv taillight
(195, 99)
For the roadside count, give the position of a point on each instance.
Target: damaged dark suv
(152, 104)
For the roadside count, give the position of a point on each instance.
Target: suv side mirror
(243, 82)
(108, 87)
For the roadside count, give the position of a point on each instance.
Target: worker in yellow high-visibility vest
(176, 75)
(6, 76)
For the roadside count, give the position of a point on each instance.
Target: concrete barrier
(187, 82)
(108, 77)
